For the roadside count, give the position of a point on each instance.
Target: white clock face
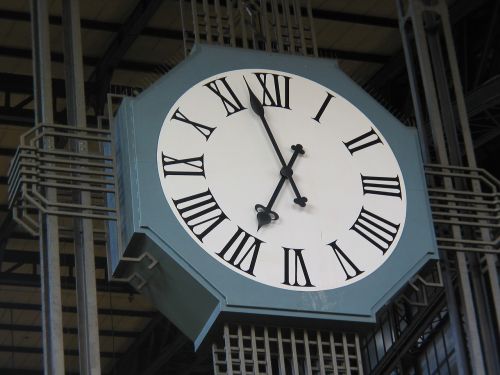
(316, 220)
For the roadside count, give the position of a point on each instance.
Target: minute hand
(258, 108)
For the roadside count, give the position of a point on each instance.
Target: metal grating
(281, 351)
(284, 26)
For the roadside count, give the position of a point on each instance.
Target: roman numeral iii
(182, 167)
(298, 263)
(365, 140)
(347, 264)
(243, 250)
(375, 229)
(200, 212)
(221, 88)
(205, 130)
(275, 90)
(381, 185)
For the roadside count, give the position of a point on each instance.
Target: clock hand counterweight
(265, 214)
(258, 108)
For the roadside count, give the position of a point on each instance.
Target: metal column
(53, 349)
(88, 331)
(425, 27)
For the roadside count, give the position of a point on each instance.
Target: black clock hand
(258, 108)
(264, 214)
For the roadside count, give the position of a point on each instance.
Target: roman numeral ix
(381, 185)
(205, 130)
(365, 140)
(375, 229)
(182, 167)
(243, 250)
(298, 263)
(200, 212)
(231, 102)
(274, 94)
(347, 264)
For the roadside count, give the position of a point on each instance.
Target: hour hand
(256, 105)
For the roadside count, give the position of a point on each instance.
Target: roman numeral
(200, 212)
(365, 140)
(273, 96)
(375, 229)
(323, 107)
(381, 185)
(182, 167)
(347, 264)
(231, 102)
(242, 243)
(299, 262)
(205, 130)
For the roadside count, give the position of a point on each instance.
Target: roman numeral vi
(298, 263)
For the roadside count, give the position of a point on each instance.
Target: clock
(267, 187)
(281, 179)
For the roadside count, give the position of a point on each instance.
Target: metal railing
(37, 166)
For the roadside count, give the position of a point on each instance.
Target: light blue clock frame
(192, 288)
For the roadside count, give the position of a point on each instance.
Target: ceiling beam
(67, 330)
(67, 282)
(33, 350)
(72, 310)
(321, 14)
(33, 257)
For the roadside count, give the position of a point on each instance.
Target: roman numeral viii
(205, 130)
(221, 88)
(298, 263)
(365, 140)
(347, 264)
(381, 185)
(375, 229)
(242, 250)
(182, 167)
(200, 212)
(275, 90)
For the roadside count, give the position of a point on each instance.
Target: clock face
(296, 188)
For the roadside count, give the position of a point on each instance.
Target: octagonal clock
(268, 185)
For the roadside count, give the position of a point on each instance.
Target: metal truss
(245, 349)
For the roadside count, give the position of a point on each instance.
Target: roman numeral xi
(221, 88)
